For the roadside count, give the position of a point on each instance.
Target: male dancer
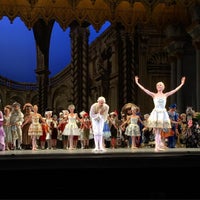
(98, 114)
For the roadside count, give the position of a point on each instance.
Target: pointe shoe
(102, 149)
(133, 147)
(95, 149)
(159, 149)
(7, 149)
(164, 147)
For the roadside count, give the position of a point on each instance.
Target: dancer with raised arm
(159, 117)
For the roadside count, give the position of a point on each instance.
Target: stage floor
(114, 174)
(111, 158)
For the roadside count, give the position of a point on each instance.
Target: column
(178, 78)
(175, 37)
(172, 60)
(79, 66)
(42, 33)
(194, 31)
(197, 47)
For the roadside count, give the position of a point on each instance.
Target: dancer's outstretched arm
(152, 94)
(177, 88)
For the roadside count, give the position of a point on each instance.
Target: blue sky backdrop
(18, 53)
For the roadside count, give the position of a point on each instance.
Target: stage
(120, 173)
(87, 158)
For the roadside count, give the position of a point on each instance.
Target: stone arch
(158, 67)
(18, 99)
(61, 99)
(34, 100)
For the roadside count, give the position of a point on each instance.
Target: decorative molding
(127, 12)
(32, 2)
(158, 58)
(73, 3)
(93, 2)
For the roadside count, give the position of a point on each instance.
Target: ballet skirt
(71, 128)
(133, 128)
(159, 117)
(35, 127)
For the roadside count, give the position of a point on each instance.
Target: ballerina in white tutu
(159, 117)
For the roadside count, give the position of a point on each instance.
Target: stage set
(113, 174)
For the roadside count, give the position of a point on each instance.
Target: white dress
(159, 118)
(71, 127)
(48, 134)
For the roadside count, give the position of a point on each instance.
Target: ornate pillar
(79, 66)
(126, 63)
(42, 34)
(194, 31)
(179, 55)
(104, 66)
(175, 37)
(197, 48)
(172, 60)
(131, 67)
(176, 72)
(121, 52)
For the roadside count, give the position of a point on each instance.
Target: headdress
(27, 105)
(127, 107)
(48, 112)
(85, 115)
(173, 106)
(71, 106)
(16, 104)
(82, 113)
(114, 113)
(65, 112)
(55, 116)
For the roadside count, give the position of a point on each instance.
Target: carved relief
(129, 13)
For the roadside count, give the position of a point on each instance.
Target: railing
(54, 81)
(17, 85)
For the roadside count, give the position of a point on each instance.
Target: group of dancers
(13, 122)
(157, 120)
